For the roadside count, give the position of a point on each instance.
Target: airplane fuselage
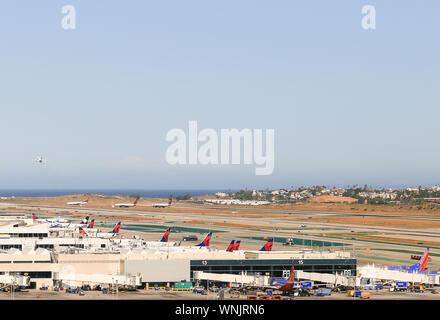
(161, 205)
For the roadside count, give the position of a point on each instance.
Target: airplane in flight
(165, 236)
(126, 205)
(40, 159)
(163, 205)
(205, 242)
(78, 203)
(268, 245)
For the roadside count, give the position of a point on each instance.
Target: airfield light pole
(12, 288)
(168, 250)
(354, 277)
(273, 234)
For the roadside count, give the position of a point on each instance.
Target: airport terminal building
(51, 258)
(154, 266)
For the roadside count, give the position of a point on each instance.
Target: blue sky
(348, 106)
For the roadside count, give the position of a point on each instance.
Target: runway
(358, 238)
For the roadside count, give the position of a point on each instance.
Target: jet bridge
(379, 273)
(18, 280)
(335, 279)
(254, 280)
(77, 279)
(370, 272)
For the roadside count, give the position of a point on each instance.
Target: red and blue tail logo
(165, 236)
(205, 243)
(135, 202)
(268, 245)
(91, 224)
(116, 228)
(34, 216)
(237, 245)
(81, 230)
(231, 246)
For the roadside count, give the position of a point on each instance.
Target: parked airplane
(163, 205)
(419, 266)
(231, 246)
(205, 242)
(56, 223)
(268, 245)
(91, 224)
(126, 205)
(165, 236)
(110, 234)
(61, 223)
(116, 228)
(78, 203)
(285, 286)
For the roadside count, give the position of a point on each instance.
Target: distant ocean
(142, 193)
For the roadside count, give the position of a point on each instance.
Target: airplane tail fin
(268, 245)
(423, 263)
(91, 224)
(231, 246)
(171, 201)
(237, 245)
(87, 200)
(81, 230)
(165, 236)
(292, 274)
(58, 218)
(116, 228)
(34, 216)
(135, 202)
(205, 242)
